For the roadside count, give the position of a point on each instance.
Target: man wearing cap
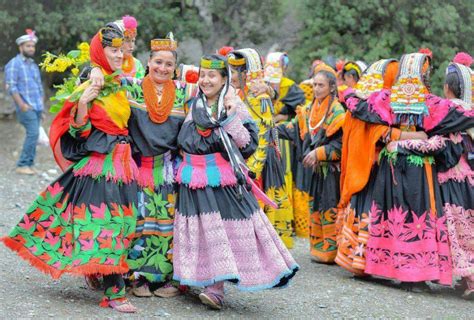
(23, 82)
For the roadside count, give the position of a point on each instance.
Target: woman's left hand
(310, 160)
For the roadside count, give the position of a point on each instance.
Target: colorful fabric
(151, 251)
(199, 171)
(220, 232)
(67, 230)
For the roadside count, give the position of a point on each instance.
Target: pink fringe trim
(459, 173)
(124, 167)
(145, 173)
(379, 102)
(219, 173)
(438, 109)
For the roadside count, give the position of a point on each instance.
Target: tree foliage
(373, 29)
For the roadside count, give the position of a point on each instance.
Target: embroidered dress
(296, 131)
(155, 150)
(220, 231)
(408, 238)
(84, 221)
(266, 164)
(361, 145)
(325, 130)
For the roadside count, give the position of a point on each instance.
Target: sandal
(93, 282)
(120, 305)
(211, 300)
(142, 291)
(167, 291)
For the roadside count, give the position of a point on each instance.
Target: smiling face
(114, 57)
(161, 66)
(211, 82)
(321, 87)
(128, 47)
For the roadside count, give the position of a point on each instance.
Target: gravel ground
(317, 292)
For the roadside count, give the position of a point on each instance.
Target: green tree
(373, 29)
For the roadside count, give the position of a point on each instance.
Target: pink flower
(463, 58)
(52, 240)
(87, 244)
(98, 212)
(417, 227)
(27, 224)
(55, 189)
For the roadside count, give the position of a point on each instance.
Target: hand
(231, 101)
(89, 94)
(25, 107)
(419, 135)
(310, 160)
(392, 146)
(258, 88)
(97, 77)
(280, 117)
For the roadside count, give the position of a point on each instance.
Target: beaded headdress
(409, 92)
(461, 65)
(167, 44)
(372, 79)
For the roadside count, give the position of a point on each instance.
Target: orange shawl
(358, 153)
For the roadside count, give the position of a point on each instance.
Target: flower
(75, 71)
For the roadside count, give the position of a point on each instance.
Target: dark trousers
(31, 120)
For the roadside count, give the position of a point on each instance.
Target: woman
(288, 97)
(132, 67)
(362, 143)
(456, 175)
(296, 131)
(352, 72)
(408, 238)
(322, 154)
(83, 222)
(265, 163)
(221, 234)
(158, 111)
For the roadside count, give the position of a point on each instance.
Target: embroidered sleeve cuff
(79, 129)
(234, 127)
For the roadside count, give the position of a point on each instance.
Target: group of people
(198, 175)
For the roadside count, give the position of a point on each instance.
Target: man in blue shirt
(23, 82)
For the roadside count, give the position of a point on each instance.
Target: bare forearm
(18, 100)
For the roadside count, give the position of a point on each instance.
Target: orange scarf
(158, 111)
(359, 154)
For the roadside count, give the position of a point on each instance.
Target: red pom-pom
(463, 58)
(225, 50)
(426, 51)
(129, 22)
(340, 64)
(191, 76)
(29, 32)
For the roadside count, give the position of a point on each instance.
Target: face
(128, 47)
(321, 87)
(162, 65)
(234, 79)
(349, 80)
(448, 94)
(210, 82)
(28, 49)
(114, 57)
